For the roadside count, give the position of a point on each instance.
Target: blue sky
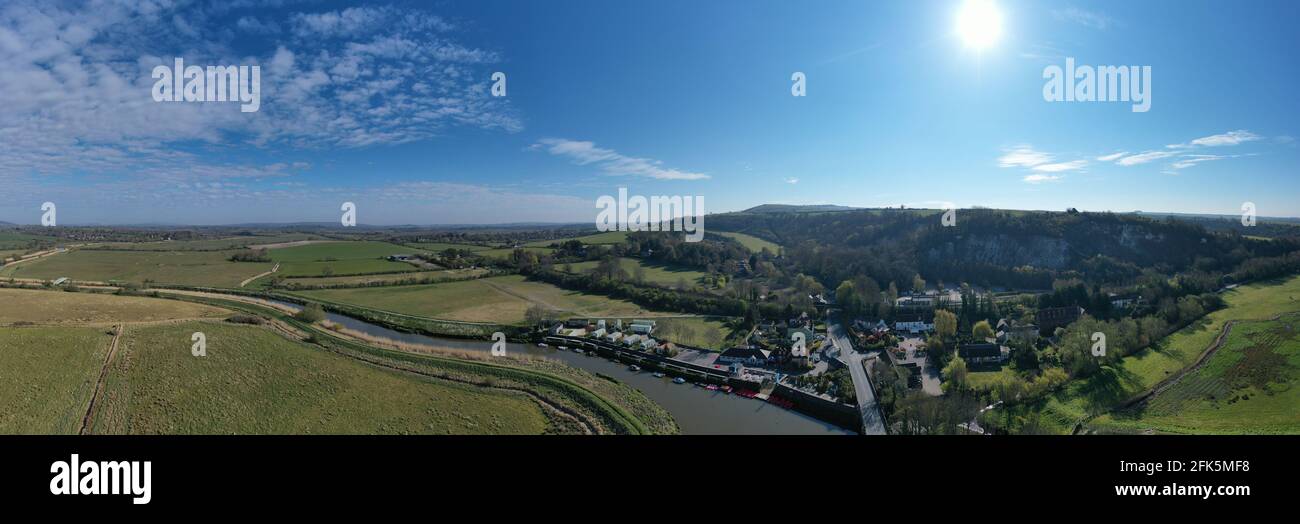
(388, 106)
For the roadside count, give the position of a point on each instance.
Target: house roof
(979, 351)
(745, 353)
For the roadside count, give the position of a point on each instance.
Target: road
(872, 422)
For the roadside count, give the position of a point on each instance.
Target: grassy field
(51, 307)
(1139, 372)
(340, 258)
(608, 237)
(505, 252)
(252, 381)
(660, 274)
(706, 333)
(205, 268)
(1249, 386)
(754, 243)
(502, 300)
(361, 280)
(13, 240)
(47, 376)
(219, 244)
(443, 246)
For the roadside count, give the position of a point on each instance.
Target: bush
(246, 319)
(310, 314)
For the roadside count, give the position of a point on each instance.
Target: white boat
(634, 368)
(679, 380)
(563, 348)
(541, 344)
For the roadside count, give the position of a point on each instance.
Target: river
(697, 411)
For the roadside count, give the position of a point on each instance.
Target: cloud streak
(611, 162)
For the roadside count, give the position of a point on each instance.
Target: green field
(660, 274)
(195, 268)
(252, 381)
(437, 247)
(505, 252)
(47, 376)
(362, 280)
(754, 243)
(13, 240)
(608, 237)
(58, 307)
(340, 258)
(1249, 386)
(705, 333)
(217, 244)
(502, 300)
(1137, 373)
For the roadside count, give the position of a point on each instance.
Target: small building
(401, 258)
(1053, 317)
(748, 355)
(576, 323)
(649, 344)
(632, 339)
(614, 337)
(914, 323)
(983, 353)
(598, 333)
(642, 327)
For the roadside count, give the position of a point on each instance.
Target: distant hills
(786, 208)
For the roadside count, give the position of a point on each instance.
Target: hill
(785, 208)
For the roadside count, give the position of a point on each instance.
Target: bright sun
(979, 23)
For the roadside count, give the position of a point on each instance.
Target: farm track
(1173, 379)
(99, 385)
(260, 275)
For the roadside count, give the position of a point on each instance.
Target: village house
(1053, 317)
(983, 353)
(748, 355)
(914, 323)
(1010, 330)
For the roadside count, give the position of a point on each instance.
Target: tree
(982, 330)
(945, 324)
(918, 283)
(311, 313)
(538, 314)
(955, 376)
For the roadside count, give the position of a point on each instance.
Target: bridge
(872, 422)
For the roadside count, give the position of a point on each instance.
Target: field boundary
(99, 384)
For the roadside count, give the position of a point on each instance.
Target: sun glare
(979, 23)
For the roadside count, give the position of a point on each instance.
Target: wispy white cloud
(1023, 156)
(1026, 157)
(1073, 165)
(1038, 179)
(1231, 138)
(792, 180)
(1144, 157)
(1111, 157)
(611, 162)
(1091, 19)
